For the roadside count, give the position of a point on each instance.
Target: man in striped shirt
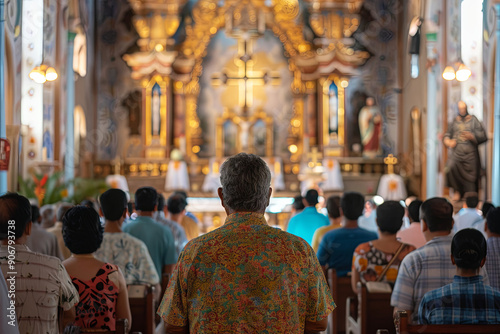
(428, 267)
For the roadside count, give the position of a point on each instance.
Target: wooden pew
(340, 288)
(121, 328)
(406, 328)
(369, 312)
(142, 307)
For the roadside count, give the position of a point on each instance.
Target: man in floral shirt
(246, 277)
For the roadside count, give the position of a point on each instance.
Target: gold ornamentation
(390, 161)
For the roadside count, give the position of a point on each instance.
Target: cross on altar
(390, 161)
(314, 155)
(246, 77)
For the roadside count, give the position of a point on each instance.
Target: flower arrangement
(50, 189)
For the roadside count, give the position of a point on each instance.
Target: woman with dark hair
(379, 260)
(467, 300)
(101, 286)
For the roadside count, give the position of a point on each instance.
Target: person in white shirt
(42, 284)
(129, 253)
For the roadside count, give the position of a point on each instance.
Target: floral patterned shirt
(131, 255)
(246, 277)
(370, 262)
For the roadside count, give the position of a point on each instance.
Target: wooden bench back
(121, 328)
(142, 308)
(374, 311)
(405, 328)
(340, 288)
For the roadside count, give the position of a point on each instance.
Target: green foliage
(53, 189)
(86, 189)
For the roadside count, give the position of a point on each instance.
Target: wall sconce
(41, 74)
(462, 74)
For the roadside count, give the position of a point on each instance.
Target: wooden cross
(246, 77)
(390, 161)
(314, 155)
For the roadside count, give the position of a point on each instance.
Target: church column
(495, 178)
(432, 117)
(69, 159)
(3, 128)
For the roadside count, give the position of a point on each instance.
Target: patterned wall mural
(378, 78)
(115, 35)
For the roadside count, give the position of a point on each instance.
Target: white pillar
(69, 157)
(431, 142)
(495, 169)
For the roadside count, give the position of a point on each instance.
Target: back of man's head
(471, 200)
(145, 199)
(160, 203)
(63, 208)
(176, 204)
(390, 217)
(414, 210)
(245, 180)
(298, 203)
(468, 248)
(487, 206)
(493, 220)
(48, 213)
(181, 193)
(311, 197)
(333, 206)
(113, 204)
(437, 213)
(352, 204)
(15, 210)
(35, 214)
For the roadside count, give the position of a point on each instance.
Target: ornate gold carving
(209, 18)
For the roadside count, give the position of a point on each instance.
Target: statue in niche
(133, 103)
(259, 132)
(333, 108)
(230, 131)
(370, 127)
(244, 129)
(156, 110)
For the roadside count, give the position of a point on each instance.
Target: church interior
(160, 93)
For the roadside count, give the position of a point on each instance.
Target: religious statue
(464, 135)
(244, 135)
(155, 112)
(370, 127)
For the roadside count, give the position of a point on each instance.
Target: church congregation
(247, 276)
(249, 166)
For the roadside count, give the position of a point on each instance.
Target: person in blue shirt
(469, 216)
(305, 223)
(157, 237)
(337, 247)
(467, 300)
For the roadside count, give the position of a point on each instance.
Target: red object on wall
(4, 154)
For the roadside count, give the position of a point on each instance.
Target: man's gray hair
(245, 182)
(48, 214)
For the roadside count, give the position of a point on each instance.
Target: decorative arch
(209, 19)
